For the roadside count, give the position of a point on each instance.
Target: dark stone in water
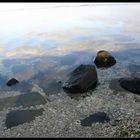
(104, 59)
(17, 117)
(7, 102)
(30, 99)
(82, 79)
(25, 100)
(11, 82)
(99, 117)
(131, 84)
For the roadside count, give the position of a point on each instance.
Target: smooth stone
(80, 80)
(131, 84)
(12, 81)
(25, 100)
(99, 117)
(14, 118)
(104, 59)
(31, 99)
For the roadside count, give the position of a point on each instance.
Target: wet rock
(17, 117)
(104, 59)
(7, 102)
(131, 84)
(11, 82)
(99, 117)
(25, 100)
(82, 79)
(31, 99)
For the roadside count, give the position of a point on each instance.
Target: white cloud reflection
(25, 51)
(65, 23)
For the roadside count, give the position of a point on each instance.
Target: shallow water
(41, 46)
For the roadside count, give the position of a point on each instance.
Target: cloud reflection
(25, 51)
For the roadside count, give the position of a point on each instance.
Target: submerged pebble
(131, 84)
(99, 117)
(25, 100)
(17, 117)
(11, 82)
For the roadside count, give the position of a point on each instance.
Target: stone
(25, 100)
(81, 79)
(104, 59)
(11, 82)
(16, 117)
(99, 117)
(131, 84)
(31, 99)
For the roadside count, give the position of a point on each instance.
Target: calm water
(42, 46)
(39, 47)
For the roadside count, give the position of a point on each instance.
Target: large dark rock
(131, 84)
(82, 79)
(104, 59)
(11, 82)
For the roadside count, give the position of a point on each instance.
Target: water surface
(41, 46)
